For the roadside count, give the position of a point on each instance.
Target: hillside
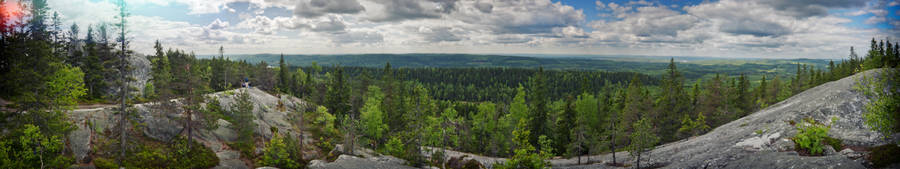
(762, 139)
(157, 125)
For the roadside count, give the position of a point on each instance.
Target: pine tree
(161, 73)
(565, 126)
(873, 58)
(337, 98)
(642, 139)
(762, 93)
(538, 101)
(775, 91)
(742, 95)
(672, 102)
(74, 54)
(242, 112)
(588, 122)
(284, 77)
(124, 77)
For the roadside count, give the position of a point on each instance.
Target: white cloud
(217, 24)
(732, 28)
(315, 8)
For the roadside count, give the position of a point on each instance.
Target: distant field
(692, 67)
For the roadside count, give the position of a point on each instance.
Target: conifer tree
(124, 72)
(539, 110)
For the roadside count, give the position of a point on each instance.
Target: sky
(725, 28)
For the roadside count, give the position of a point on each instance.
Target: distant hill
(691, 67)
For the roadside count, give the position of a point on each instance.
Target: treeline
(488, 84)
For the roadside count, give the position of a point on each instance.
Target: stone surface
(225, 132)
(849, 153)
(80, 141)
(784, 160)
(346, 161)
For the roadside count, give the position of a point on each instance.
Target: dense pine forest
(525, 114)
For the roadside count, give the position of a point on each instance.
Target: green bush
(245, 148)
(197, 156)
(281, 153)
(525, 156)
(882, 156)
(881, 111)
(811, 137)
(837, 144)
(395, 147)
(148, 154)
(27, 147)
(103, 163)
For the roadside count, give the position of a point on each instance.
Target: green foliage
(811, 136)
(325, 143)
(588, 122)
(180, 153)
(395, 147)
(518, 109)
(525, 154)
(212, 112)
(693, 127)
(881, 112)
(837, 144)
(484, 122)
(672, 102)
(278, 154)
(104, 163)
(538, 100)
(29, 148)
(323, 121)
(884, 155)
(242, 112)
(65, 86)
(642, 139)
(189, 154)
(372, 116)
(337, 98)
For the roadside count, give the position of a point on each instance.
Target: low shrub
(885, 155)
(103, 163)
(811, 137)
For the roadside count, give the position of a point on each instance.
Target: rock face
(762, 139)
(346, 161)
(163, 124)
(140, 71)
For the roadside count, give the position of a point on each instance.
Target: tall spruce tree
(539, 109)
(672, 102)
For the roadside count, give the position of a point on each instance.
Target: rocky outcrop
(346, 161)
(762, 139)
(140, 74)
(163, 123)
